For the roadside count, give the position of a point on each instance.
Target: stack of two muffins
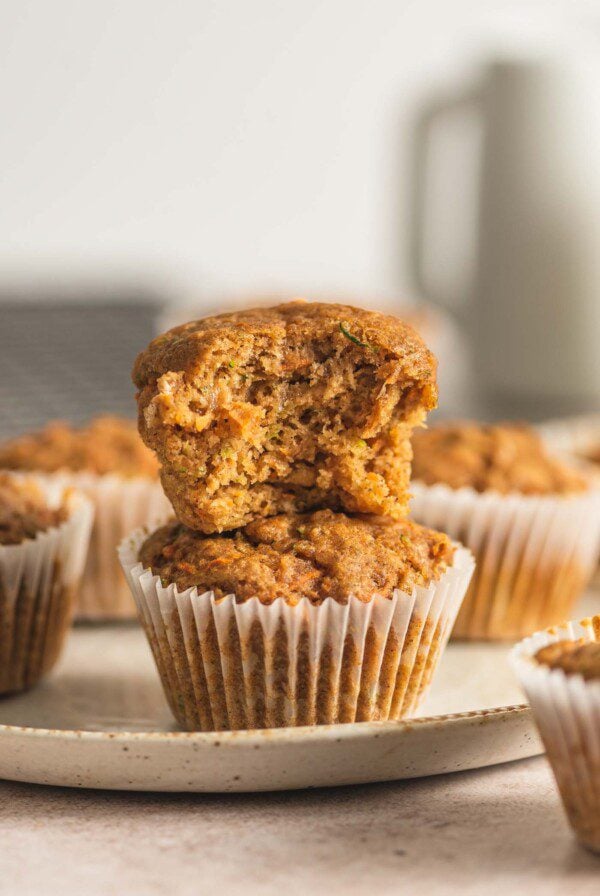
(291, 589)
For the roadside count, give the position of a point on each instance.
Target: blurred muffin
(560, 672)
(284, 409)
(109, 463)
(578, 657)
(504, 458)
(44, 534)
(532, 521)
(107, 444)
(299, 619)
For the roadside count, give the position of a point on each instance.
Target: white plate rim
(310, 733)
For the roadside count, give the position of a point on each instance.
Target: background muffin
(44, 535)
(107, 444)
(532, 521)
(505, 458)
(560, 672)
(108, 462)
(284, 409)
(296, 620)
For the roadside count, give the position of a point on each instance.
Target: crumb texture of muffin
(291, 556)
(505, 458)
(107, 444)
(285, 409)
(24, 510)
(574, 657)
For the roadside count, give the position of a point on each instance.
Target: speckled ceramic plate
(101, 721)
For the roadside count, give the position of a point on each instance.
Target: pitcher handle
(430, 115)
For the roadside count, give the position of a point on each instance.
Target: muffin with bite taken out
(282, 410)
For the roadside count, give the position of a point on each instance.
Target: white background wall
(225, 144)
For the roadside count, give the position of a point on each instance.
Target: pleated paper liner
(39, 585)
(566, 709)
(574, 438)
(120, 505)
(227, 665)
(534, 555)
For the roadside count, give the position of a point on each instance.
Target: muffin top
(284, 409)
(24, 510)
(578, 657)
(105, 445)
(290, 556)
(506, 457)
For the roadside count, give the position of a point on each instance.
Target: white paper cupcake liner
(566, 709)
(226, 665)
(534, 555)
(574, 438)
(120, 505)
(39, 584)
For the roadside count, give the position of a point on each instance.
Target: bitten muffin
(107, 460)
(559, 670)
(284, 409)
(300, 619)
(532, 521)
(44, 534)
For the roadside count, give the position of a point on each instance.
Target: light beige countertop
(474, 833)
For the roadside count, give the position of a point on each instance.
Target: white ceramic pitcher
(533, 306)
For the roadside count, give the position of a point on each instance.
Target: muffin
(282, 410)
(109, 463)
(560, 672)
(299, 619)
(532, 521)
(44, 534)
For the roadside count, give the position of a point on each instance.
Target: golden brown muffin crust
(107, 444)
(315, 555)
(284, 409)
(24, 510)
(578, 657)
(506, 457)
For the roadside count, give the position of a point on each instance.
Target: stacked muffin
(291, 589)
(532, 521)
(108, 462)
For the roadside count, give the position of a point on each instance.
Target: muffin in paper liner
(566, 709)
(227, 665)
(534, 554)
(120, 505)
(39, 584)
